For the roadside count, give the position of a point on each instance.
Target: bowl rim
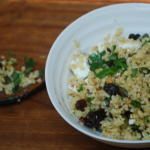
(47, 77)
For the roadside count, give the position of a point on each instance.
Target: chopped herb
(122, 98)
(105, 83)
(136, 104)
(7, 80)
(145, 119)
(120, 63)
(89, 99)
(11, 98)
(94, 110)
(126, 120)
(113, 56)
(11, 54)
(11, 60)
(75, 112)
(81, 88)
(126, 77)
(17, 80)
(97, 60)
(109, 98)
(149, 91)
(136, 132)
(135, 126)
(114, 47)
(108, 71)
(29, 63)
(145, 42)
(41, 71)
(134, 72)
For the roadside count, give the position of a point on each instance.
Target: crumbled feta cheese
(1, 89)
(101, 47)
(73, 88)
(83, 69)
(131, 121)
(129, 45)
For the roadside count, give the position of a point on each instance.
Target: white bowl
(90, 30)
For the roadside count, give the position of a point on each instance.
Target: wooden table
(30, 28)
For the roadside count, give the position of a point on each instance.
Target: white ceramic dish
(90, 30)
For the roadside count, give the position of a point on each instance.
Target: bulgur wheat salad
(110, 88)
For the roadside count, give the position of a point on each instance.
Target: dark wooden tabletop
(30, 28)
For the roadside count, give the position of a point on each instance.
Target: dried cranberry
(93, 119)
(112, 89)
(80, 104)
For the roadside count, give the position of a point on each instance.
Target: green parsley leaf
(29, 63)
(17, 80)
(11, 54)
(136, 132)
(135, 126)
(113, 56)
(149, 91)
(145, 119)
(89, 99)
(97, 60)
(108, 71)
(122, 98)
(94, 110)
(145, 42)
(114, 47)
(133, 103)
(120, 63)
(81, 88)
(7, 80)
(126, 77)
(75, 112)
(136, 104)
(134, 72)
(41, 71)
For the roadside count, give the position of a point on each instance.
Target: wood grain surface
(30, 28)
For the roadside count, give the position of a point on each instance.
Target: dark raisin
(112, 89)
(139, 131)
(127, 113)
(110, 114)
(1, 66)
(136, 36)
(80, 104)
(131, 36)
(108, 50)
(111, 63)
(93, 119)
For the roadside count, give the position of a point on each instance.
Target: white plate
(89, 30)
